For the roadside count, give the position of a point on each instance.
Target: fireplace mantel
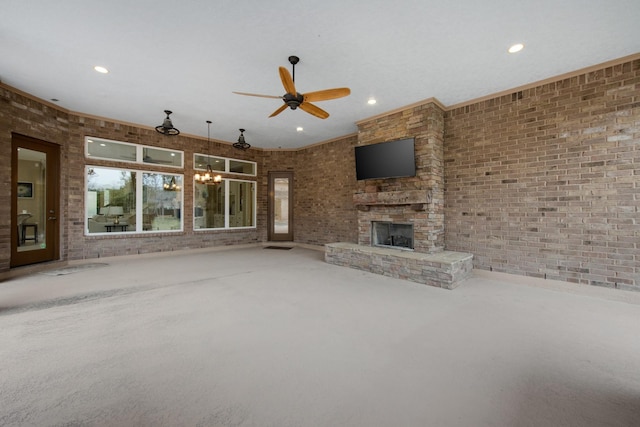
(418, 199)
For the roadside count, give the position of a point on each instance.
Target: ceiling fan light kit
(294, 99)
(166, 128)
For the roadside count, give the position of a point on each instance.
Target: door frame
(51, 251)
(271, 234)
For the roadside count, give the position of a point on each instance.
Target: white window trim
(139, 150)
(226, 181)
(227, 162)
(139, 197)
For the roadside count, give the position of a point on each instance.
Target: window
(99, 148)
(128, 201)
(201, 162)
(222, 164)
(230, 204)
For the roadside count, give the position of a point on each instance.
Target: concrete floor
(264, 337)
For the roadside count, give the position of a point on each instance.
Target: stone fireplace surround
(418, 201)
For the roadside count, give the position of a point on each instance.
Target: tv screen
(391, 159)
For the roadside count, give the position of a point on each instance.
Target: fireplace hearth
(389, 234)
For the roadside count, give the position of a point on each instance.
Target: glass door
(34, 201)
(281, 206)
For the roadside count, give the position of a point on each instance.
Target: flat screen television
(391, 159)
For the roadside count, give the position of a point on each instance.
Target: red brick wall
(545, 182)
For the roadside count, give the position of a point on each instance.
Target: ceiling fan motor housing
(293, 101)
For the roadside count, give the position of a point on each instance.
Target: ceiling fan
(294, 99)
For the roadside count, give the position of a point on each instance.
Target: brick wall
(26, 115)
(325, 180)
(545, 182)
(101, 246)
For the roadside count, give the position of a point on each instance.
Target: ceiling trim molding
(34, 98)
(328, 141)
(400, 109)
(543, 82)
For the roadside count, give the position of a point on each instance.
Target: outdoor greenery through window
(126, 201)
(229, 204)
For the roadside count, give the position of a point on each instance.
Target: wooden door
(35, 183)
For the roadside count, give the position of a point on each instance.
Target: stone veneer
(444, 269)
(417, 200)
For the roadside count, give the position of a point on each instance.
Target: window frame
(139, 197)
(227, 163)
(139, 157)
(227, 226)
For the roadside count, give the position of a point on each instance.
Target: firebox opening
(390, 234)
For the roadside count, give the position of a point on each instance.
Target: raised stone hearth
(444, 269)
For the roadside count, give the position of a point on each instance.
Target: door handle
(52, 218)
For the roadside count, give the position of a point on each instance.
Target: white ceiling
(189, 56)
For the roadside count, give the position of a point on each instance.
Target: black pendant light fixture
(242, 144)
(166, 128)
(208, 175)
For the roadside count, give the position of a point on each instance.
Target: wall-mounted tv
(391, 159)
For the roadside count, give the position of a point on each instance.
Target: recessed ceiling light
(101, 69)
(103, 144)
(516, 48)
(299, 128)
(371, 101)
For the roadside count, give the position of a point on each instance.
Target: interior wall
(545, 182)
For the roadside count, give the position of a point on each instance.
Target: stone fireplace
(389, 208)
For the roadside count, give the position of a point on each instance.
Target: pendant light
(208, 175)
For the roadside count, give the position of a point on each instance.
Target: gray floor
(263, 337)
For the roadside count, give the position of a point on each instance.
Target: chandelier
(208, 176)
(171, 185)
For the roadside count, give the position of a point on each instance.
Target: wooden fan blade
(256, 94)
(287, 81)
(313, 110)
(323, 95)
(279, 110)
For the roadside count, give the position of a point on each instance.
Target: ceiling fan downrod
(293, 60)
